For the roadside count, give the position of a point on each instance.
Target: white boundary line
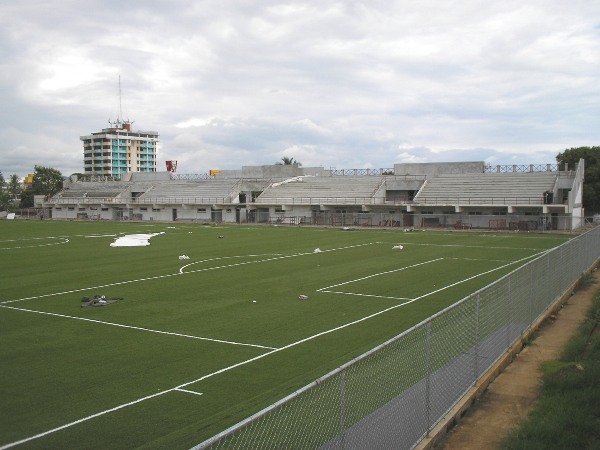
(65, 241)
(131, 327)
(226, 369)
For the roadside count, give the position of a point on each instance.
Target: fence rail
(522, 168)
(392, 396)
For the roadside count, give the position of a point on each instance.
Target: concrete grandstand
(461, 195)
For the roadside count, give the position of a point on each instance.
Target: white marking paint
(63, 241)
(188, 391)
(131, 327)
(378, 274)
(134, 240)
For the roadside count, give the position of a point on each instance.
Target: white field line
(367, 295)
(131, 327)
(378, 274)
(64, 241)
(156, 277)
(273, 258)
(84, 419)
(118, 283)
(437, 290)
(181, 269)
(188, 391)
(242, 363)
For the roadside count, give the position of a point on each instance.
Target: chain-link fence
(392, 396)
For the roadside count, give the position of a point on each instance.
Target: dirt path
(511, 395)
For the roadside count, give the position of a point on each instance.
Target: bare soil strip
(510, 397)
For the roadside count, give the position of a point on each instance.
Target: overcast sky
(345, 84)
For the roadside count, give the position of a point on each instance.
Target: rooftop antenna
(120, 122)
(120, 108)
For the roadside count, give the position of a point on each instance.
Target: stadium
(430, 195)
(278, 307)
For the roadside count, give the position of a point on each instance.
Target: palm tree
(288, 162)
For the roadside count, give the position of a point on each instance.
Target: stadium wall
(396, 395)
(436, 169)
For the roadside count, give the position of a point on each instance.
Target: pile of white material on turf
(317, 250)
(303, 297)
(134, 240)
(397, 247)
(184, 257)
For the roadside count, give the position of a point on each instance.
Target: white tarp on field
(134, 240)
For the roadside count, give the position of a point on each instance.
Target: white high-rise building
(118, 150)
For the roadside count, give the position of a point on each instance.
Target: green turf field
(197, 345)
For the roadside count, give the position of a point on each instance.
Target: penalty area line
(378, 274)
(437, 290)
(367, 295)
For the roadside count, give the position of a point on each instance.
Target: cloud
(341, 84)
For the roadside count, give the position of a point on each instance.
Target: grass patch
(568, 412)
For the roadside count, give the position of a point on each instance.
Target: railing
(322, 201)
(190, 176)
(361, 172)
(395, 394)
(521, 168)
(332, 201)
(480, 201)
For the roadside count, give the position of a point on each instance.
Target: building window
(201, 209)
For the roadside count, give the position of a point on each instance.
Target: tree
(26, 198)
(591, 184)
(14, 186)
(5, 203)
(46, 181)
(8, 192)
(285, 161)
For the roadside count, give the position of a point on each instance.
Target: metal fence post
(476, 359)
(531, 290)
(509, 312)
(427, 378)
(342, 409)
